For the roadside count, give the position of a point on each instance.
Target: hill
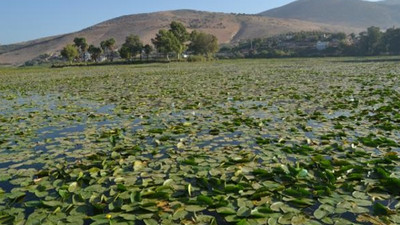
(229, 28)
(349, 13)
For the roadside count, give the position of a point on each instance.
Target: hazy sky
(22, 20)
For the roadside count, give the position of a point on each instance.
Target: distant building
(87, 57)
(322, 45)
(289, 37)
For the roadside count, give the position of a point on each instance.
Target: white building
(322, 45)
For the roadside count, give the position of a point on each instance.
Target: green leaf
(179, 214)
(243, 212)
(202, 199)
(129, 217)
(194, 208)
(73, 187)
(285, 219)
(298, 220)
(138, 165)
(226, 211)
(277, 206)
(322, 211)
(150, 222)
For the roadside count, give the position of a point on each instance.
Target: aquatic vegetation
(289, 141)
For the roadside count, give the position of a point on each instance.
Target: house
(322, 45)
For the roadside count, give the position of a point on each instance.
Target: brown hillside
(354, 13)
(227, 27)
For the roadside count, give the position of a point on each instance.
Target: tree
(131, 48)
(108, 47)
(370, 41)
(339, 36)
(95, 52)
(203, 43)
(148, 49)
(180, 32)
(166, 42)
(70, 52)
(391, 40)
(172, 40)
(81, 44)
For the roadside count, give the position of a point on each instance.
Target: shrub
(196, 58)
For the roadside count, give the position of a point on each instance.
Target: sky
(23, 20)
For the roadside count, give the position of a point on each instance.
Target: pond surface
(230, 142)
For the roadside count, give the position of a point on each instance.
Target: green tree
(131, 48)
(108, 47)
(70, 52)
(180, 32)
(203, 43)
(391, 40)
(81, 44)
(95, 52)
(370, 41)
(339, 36)
(148, 49)
(166, 43)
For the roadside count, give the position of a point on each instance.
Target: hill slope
(353, 13)
(227, 27)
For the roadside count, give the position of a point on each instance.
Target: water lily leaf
(31, 204)
(323, 210)
(298, 220)
(128, 208)
(243, 212)
(180, 145)
(360, 202)
(150, 222)
(129, 217)
(395, 219)
(168, 182)
(272, 221)
(179, 214)
(231, 218)
(327, 220)
(201, 199)
(340, 221)
(194, 208)
(277, 206)
(144, 216)
(358, 210)
(135, 197)
(285, 219)
(73, 187)
(313, 222)
(226, 211)
(138, 165)
(360, 195)
(51, 203)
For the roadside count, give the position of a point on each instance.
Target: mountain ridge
(353, 13)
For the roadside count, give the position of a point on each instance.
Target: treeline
(173, 42)
(372, 42)
(375, 42)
